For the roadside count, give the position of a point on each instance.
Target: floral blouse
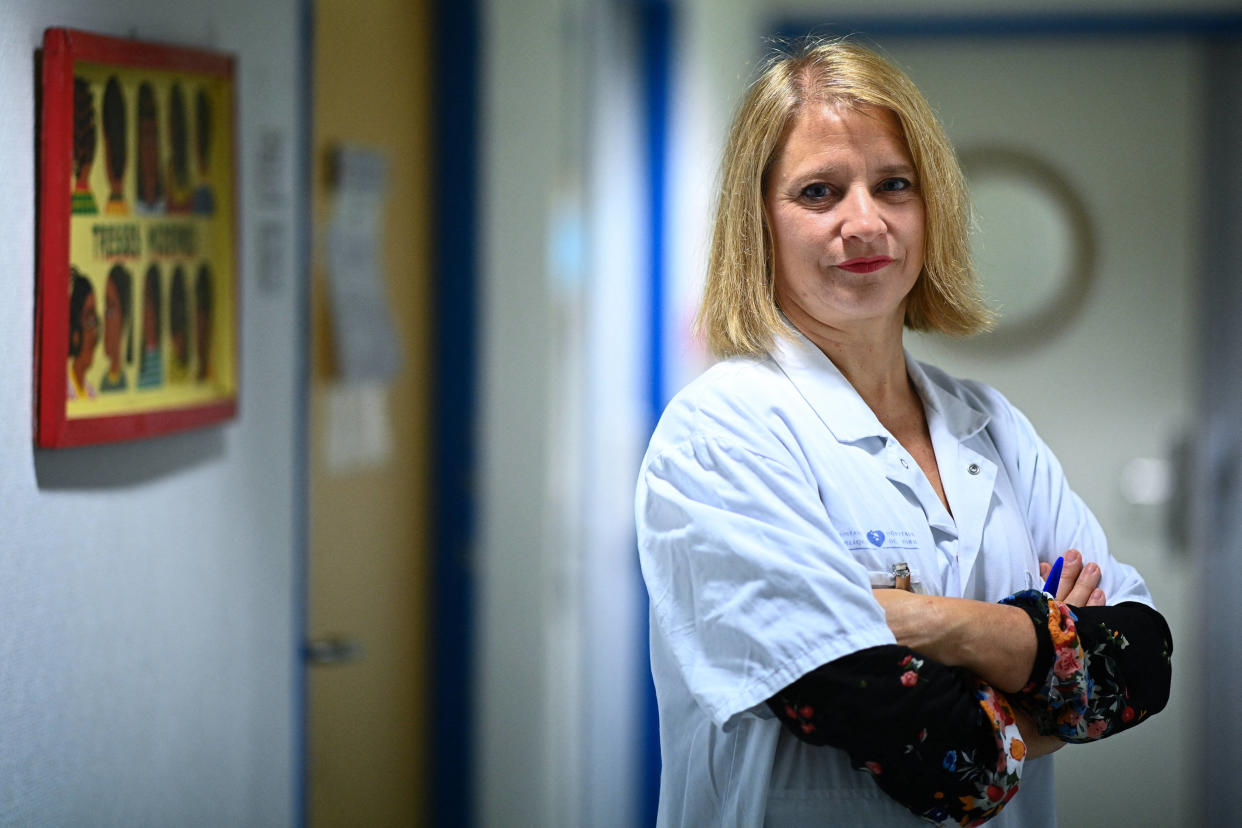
(944, 743)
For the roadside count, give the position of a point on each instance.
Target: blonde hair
(739, 313)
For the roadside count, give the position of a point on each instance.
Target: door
(1109, 382)
(369, 523)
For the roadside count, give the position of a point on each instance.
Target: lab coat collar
(826, 389)
(843, 410)
(960, 418)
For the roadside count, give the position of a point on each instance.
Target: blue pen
(1054, 577)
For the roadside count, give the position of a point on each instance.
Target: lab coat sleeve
(750, 586)
(1056, 516)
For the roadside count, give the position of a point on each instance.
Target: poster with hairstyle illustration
(137, 299)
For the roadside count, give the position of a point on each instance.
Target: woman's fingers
(1080, 582)
(1070, 571)
(1084, 586)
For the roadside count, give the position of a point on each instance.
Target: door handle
(333, 649)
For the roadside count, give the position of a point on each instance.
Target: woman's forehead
(821, 129)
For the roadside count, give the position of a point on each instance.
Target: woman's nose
(861, 216)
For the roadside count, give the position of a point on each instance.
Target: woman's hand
(1079, 584)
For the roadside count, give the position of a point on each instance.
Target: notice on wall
(359, 429)
(365, 338)
(367, 352)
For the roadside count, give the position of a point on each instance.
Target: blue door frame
(455, 153)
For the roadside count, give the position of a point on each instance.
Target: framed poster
(137, 302)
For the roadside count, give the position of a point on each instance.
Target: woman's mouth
(868, 264)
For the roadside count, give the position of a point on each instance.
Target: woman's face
(113, 322)
(847, 221)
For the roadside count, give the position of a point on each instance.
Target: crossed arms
(944, 718)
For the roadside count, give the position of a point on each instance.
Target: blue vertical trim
(1089, 24)
(301, 419)
(455, 104)
(655, 34)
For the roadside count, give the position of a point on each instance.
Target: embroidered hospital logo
(876, 537)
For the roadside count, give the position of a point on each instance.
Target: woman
(203, 201)
(118, 328)
(793, 485)
(202, 321)
(178, 327)
(179, 157)
(150, 180)
(151, 363)
(114, 146)
(85, 137)
(83, 335)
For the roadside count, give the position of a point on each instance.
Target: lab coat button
(973, 468)
(904, 464)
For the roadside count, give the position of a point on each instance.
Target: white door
(1111, 378)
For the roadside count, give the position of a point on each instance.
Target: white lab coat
(769, 501)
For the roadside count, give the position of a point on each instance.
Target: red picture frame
(137, 302)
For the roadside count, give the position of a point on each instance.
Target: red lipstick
(866, 264)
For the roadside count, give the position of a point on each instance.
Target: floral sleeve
(1101, 670)
(934, 738)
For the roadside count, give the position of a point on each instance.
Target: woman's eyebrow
(831, 170)
(900, 168)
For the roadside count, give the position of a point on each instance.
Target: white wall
(562, 417)
(517, 537)
(148, 590)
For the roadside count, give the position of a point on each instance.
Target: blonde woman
(843, 547)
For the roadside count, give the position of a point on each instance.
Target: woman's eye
(895, 185)
(815, 192)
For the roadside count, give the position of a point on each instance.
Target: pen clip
(901, 576)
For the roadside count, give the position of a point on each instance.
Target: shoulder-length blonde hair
(739, 313)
